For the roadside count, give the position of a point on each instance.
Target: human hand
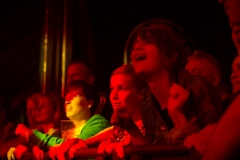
(10, 153)
(107, 148)
(53, 152)
(38, 153)
(21, 130)
(122, 119)
(178, 135)
(75, 147)
(64, 147)
(20, 149)
(190, 141)
(201, 139)
(177, 97)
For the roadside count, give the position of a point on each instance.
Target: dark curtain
(20, 40)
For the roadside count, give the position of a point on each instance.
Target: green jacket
(94, 125)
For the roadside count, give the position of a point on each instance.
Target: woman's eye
(197, 72)
(121, 88)
(67, 102)
(237, 31)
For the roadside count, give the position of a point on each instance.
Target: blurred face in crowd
(232, 10)
(77, 105)
(204, 68)
(235, 76)
(236, 37)
(31, 112)
(78, 71)
(123, 92)
(45, 111)
(147, 58)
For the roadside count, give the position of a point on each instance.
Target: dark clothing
(203, 102)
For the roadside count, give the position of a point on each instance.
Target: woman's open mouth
(140, 57)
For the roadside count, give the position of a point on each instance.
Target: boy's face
(76, 72)
(202, 67)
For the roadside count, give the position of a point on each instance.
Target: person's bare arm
(225, 140)
(98, 138)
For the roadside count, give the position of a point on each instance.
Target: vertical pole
(45, 50)
(64, 47)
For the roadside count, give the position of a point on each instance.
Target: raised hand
(177, 97)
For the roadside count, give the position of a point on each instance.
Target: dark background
(99, 32)
(111, 22)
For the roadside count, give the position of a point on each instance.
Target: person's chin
(69, 115)
(140, 70)
(236, 90)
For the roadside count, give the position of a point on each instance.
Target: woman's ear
(216, 80)
(90, 103)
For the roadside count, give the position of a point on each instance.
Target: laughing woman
(185, 103)
(81, 101)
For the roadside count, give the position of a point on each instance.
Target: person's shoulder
(97, 118)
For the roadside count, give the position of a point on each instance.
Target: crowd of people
(168, 94)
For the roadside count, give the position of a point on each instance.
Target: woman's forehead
(122, 79)
(31, 104)
(43, 100)
(236, 61)
(75, 91)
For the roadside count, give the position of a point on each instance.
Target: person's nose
(234, 74)
(114, 95)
